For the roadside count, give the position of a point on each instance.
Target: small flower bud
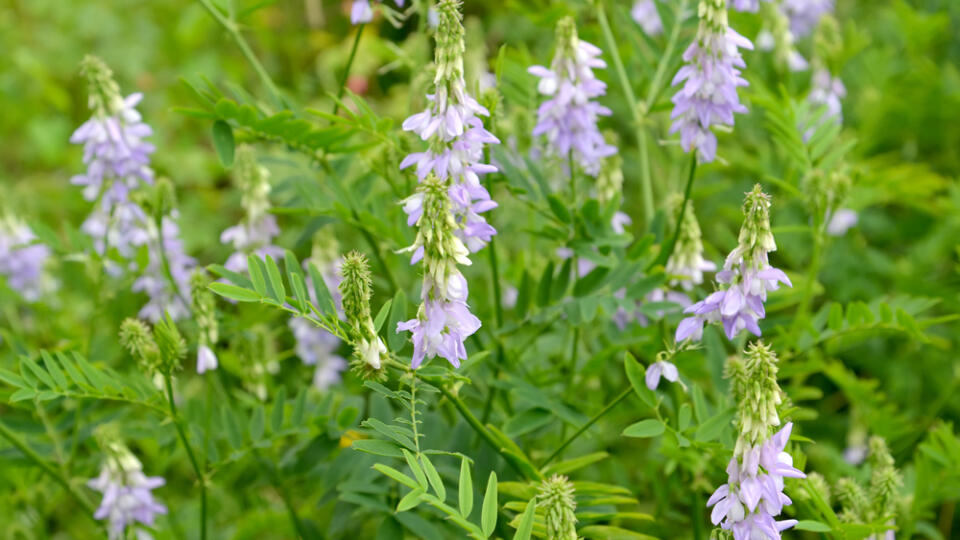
(555, 496)
(885, 481)
(355, 288)
(758, 394)
(137, 338)
(853, 500)
(105, 98)
(173, 349)
(253, 181)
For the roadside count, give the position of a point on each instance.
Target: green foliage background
(878, 353)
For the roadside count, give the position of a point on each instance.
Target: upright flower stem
(46, 467)
(607, 408)
(654, 91)
(646, 187)
(231, 28)
(346, 70)
(668, 248)
(193, 459)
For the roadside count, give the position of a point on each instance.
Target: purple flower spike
(710, 80)
(568, 118)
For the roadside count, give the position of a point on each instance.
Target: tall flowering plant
(710, 78)
(745, 279)
(568, 118)
(753, 496)
(452, 127)
(443, 321)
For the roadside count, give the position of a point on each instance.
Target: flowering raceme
(455, 133)
(569, 118)
(753, 495)
(255, 234)
(117, 159)
(745, 279)
(127, 498)
(710, 80)
(444, 320)
(21, 259)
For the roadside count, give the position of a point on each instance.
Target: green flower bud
(555, 497)
(885, 481)
(368, 348)
(105, 98)
(204, 308)
(173, 348)
(853, 500)
(754, 382)
(450, 44)
(755, 239)
(137, 338)
(253, 181)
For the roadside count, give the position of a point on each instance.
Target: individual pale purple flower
(644, 13)
(746, 5)
(362, 12)
(22, 259)
(842, 221)
(661, 368)
(710, 80)
(569, 117)
(620, 222)
(206, 359)
(805, 14)
(451, 124)
(827, 91)
(167, 261)
(744, 281)
(127, 493)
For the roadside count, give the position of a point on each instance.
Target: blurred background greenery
(900, 68)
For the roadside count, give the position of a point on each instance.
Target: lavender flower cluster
(753, 495)
(710, 80)
(744, 281)
(569, 118)
(22, 259)
(127, 493)
(118, 161)
(455, 133)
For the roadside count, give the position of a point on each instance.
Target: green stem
(668, 249)
(646, 187)
(193, 459)
(623, 395)
(21, 445)
(346, 70)
(654, 89)
(469, 417)
(231, 27)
